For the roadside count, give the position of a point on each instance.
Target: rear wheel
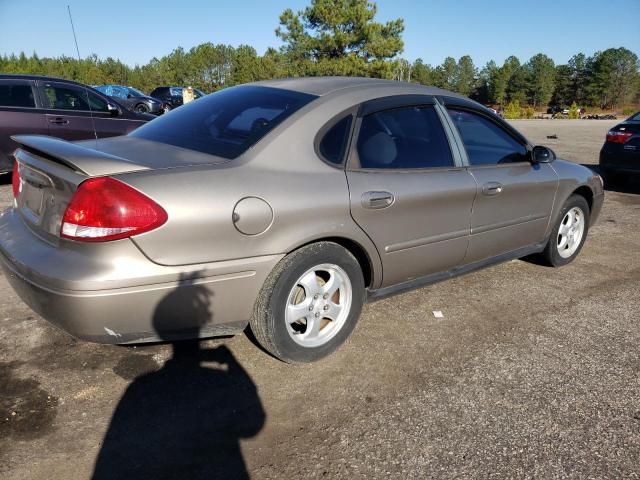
(310, 303)
(569, 233)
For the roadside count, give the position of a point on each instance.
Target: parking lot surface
(531, 372)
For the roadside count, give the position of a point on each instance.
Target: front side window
(486, 143)
(403, 138)
(15, 94)
(334, 143)
(69, 97)
(227, 122)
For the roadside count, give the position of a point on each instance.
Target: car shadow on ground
(186, 419)
(619, 183)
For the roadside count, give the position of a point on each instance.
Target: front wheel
(141, 108)
(569, 233)
(310, 303)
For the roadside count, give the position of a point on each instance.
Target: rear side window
(403, 138)
(227, 122)
(13, 94)
(69, 97)
(486, 143)
(334, 142)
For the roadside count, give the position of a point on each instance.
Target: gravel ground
(532, 372)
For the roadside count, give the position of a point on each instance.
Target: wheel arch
(357, 250)
(586, 192)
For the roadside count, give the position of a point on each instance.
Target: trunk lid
(51, 170)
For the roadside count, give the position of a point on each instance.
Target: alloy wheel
(570, 232)
(318, 305)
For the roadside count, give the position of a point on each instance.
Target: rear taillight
(106, 209)
(15, 180)
(618, 137)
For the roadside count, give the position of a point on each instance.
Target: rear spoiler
(88, 161)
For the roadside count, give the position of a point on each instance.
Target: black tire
(551, 255)
(141, 108)
(268, 320)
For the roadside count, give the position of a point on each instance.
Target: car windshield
(635, 118)
(227, 122)
(136, 93)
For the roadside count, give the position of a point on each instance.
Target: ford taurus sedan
(283, 205)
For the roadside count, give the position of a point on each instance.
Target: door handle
(376, 200)
(492, 188)
(59, 121)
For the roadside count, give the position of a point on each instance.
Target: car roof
(322, 86)
(46, 78)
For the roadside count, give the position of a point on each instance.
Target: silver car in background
(283, 205)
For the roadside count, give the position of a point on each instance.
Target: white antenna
(86, 90)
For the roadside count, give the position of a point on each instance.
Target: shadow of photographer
(186, 419)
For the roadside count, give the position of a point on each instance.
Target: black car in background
(172, 96)
(620, 153)
(134, 99)
(58, 108)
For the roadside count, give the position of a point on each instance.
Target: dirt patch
(27, 411)
(628, 199)
(133, 366)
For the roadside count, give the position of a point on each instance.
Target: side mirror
(113, 110)
(541, 154)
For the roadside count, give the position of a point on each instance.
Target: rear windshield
(227, 122)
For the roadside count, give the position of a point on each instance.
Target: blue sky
(136, 31)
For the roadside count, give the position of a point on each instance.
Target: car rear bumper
(617, 158)
(126, 298)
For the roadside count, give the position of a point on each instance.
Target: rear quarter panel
(200, 205)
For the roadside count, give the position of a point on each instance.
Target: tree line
(341, 37)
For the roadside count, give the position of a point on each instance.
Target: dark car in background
(134, 99)
(172, 96)
(59, 108)
(620, 153)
